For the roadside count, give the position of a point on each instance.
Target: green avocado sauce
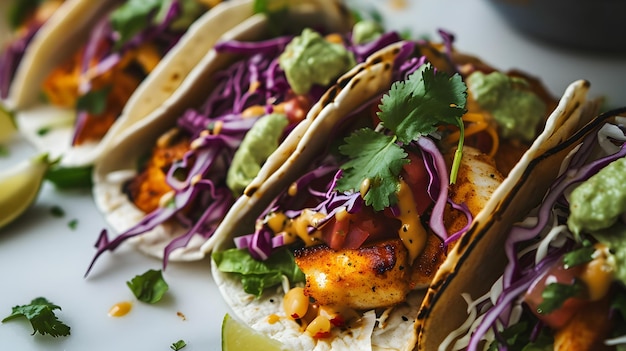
(366, 31)
(516, 109)
(257, 145)
(598, 202)
(310, 59)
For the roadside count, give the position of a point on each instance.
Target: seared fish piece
(365, 278)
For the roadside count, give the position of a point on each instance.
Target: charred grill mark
(383, 258)
(330, 95)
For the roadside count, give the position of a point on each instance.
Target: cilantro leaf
(578, 257)
(275, 11)
(148, 287)
(19, 11)
(413, 108)
(94, 101)
(179, 345)
(135, 15)
(376, 157)
(428, 98)
(40, 313)
(555, 294)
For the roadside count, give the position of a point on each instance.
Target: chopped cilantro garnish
(521, 336)
(40, 313)
(94, 102)
(19, 11)
(148, 287)
(57, 211)
(43, 131)
(73, 224)
(412, 109)
(555, 294)
(134, 16)
(178, 345)
(578, 257)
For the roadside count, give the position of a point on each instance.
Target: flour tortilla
(158, 86)
(468, 269)
(119, 164)
(397, 330)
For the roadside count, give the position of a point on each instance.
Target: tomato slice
(555, 274)
(354, 230)
(416, 176)
(297, 108)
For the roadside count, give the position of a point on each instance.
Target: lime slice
(238, 336)
(20, 186)
(7, 124)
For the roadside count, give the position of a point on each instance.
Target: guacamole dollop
(366, 31)
(310, 59)
(516, 109)
(257, 145)
(598, 202)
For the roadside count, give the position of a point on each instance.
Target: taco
(201, 149)
(555, 278)
(116, 72)
(342, 255)
(31, 24)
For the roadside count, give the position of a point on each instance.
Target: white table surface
(41, 256)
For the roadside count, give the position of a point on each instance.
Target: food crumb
(397, 4)
(181, 315)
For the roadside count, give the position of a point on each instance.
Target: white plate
(41, 256)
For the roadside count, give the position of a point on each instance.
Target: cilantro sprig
(412, 109)
(555, 294)
(40, 313)
(149, 287)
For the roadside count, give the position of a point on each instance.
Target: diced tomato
(321, 335)
(416, 176)
(556, 274)
(297, 108)
(353, 230)
(374, 109)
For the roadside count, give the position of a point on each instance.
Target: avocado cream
(516, 109)
(310, 59)
(366, 31)
(598, 202)
(257, 145)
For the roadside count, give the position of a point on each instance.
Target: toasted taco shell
(153, 91)
(119, 164)
(476, 261)
(396, 330)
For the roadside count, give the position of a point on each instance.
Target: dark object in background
(593, 25)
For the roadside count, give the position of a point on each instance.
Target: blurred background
(558, 41)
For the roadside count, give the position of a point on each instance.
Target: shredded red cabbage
(522, 271)
(329, 201)
(206, 164)
(101, 49)
(11, 57)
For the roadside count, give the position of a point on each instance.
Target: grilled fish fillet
(379, 274)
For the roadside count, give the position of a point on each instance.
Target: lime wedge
(20, 186)
(7, 124)
(238, 336)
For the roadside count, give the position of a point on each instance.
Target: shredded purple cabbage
(11, 57)
(103, 36)
(521, 272)
(256, 79)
